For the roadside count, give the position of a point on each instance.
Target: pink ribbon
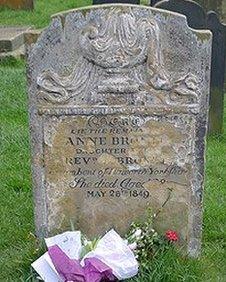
(71, 270)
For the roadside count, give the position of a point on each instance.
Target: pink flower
(172, 236)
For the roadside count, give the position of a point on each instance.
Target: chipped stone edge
(201, 129)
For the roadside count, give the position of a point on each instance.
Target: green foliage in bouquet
(145, 241)
(88, 246)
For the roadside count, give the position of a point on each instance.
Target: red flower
(172, 236)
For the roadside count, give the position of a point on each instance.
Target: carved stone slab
(197, 18)
(118, 117)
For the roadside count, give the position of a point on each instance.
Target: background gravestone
(95, 2)
(118, 115)
(217, 73)
(18, 4)
(219, 6)
(198, 19)
(195, 14)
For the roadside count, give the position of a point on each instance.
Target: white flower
(138, 233)
(133, 246)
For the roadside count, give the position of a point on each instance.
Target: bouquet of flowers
(69, 258)
(72, 258)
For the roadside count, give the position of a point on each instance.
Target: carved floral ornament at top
(119, 55)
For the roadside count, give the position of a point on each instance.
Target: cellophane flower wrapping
(111, 260)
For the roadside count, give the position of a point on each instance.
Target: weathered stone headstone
(216, 112)
(95, 2)
(195, 14)
(118, 117)
(197, 18)
(18, 4)
(219, 6)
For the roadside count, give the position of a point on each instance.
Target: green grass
(40, 17)
(18, 247)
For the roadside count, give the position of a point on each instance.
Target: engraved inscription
(97, 162)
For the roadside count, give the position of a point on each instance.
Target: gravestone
(216, 111)
(195, 14)
(118, 115)
(96, 2)
(197, 18)
(219, 6)
(18, 4)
